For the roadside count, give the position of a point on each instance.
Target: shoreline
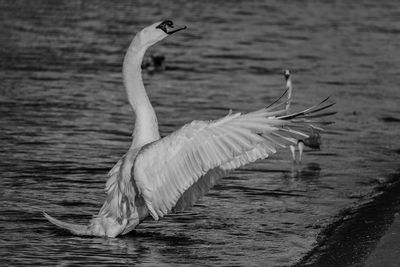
(362, 234)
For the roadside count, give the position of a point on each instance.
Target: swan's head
(157, 31)
(287, 74)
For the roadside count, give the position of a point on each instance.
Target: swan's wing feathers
(111, 206)
(119, 188)
(166, 169)
(198, 189)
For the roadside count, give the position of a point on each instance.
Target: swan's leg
(301, 147)
(293, 150)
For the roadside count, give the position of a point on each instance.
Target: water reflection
(310, 172)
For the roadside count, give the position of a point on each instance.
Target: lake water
(65, 121)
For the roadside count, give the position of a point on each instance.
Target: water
(65, 121)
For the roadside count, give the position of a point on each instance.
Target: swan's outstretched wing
(167, 168)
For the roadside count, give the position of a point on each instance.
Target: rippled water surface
(64, 122)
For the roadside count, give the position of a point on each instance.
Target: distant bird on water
(154, 63)
(160, 175)
(314, 139)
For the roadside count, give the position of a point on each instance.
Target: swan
(314, 139)
(161, 175)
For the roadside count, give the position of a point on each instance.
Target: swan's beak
(175, 29)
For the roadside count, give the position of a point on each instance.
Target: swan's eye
(165, 25)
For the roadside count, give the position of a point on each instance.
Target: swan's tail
(76, 229)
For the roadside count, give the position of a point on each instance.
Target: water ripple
(65, 121)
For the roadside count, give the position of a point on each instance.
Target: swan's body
(157, 176)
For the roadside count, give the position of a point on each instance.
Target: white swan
(157, 176)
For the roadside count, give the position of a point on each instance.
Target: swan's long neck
(289, 93)
(146, 125)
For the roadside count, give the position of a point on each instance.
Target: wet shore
(363, 235)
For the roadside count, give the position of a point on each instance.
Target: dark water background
(64, 122)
